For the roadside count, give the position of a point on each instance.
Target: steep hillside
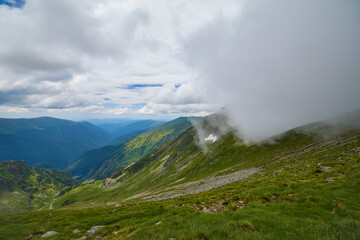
(187, 159)
(303, 184)
(100, 163)
(25, 188)
(131, 130)
(48, 142)
(123, 138)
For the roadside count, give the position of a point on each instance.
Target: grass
(315, 210)
(288, 199)
(100, 163)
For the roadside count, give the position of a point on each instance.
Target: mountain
(127, 126)
(123, 138)
(48, 142)
(131, 130)
(100, 163)
(25, 188)
(187, 158)
(206, 183)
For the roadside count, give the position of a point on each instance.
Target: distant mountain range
(48, 142)
(102, 162)
(127, 125)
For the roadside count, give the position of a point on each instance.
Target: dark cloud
(12, 97)
(19, 96)
(64, 36)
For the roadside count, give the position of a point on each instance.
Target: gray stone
(158, 223)
(49, 234)
(82, 238)
(328, 179)
(326, 169)
(93, 230)
(76, 230)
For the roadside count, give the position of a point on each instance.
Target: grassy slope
(101, 163)
(24, 188)
(288, 199)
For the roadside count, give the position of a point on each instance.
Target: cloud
(59, 55)
(46, 46)
(273, 64)
(177, 100)
(13, 109)
(281, 64)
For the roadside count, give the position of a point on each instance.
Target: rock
(158, 223)
(329, 179)
(326, 169)
(93, 230)
(49, 234)
(76, 230)
(82, 238)
(114, 210)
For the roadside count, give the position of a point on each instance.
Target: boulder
(93, 230)
(49, 234)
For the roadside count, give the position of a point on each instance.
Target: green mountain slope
(25, 188)
(303, 184)
(101, 163)
(48, 142)
(125, 127)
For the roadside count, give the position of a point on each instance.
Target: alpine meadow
(180, 120)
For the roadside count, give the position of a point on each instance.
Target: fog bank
(280, 64)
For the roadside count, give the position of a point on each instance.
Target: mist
(280, 64)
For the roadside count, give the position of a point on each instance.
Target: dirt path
(51, 204)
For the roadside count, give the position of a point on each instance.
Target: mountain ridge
(100, 163)
(46, 141)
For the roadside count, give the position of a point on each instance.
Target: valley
(48, 142)
(302, 184)
(179, 120)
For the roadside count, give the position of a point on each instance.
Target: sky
(273, 65)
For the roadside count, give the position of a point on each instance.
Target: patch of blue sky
(134, 86)
(13, 3)
(138, 105)
(110, 105)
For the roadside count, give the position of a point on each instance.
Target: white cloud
(48, 45)
(281, 63)
(13, 109)
(274, 64)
